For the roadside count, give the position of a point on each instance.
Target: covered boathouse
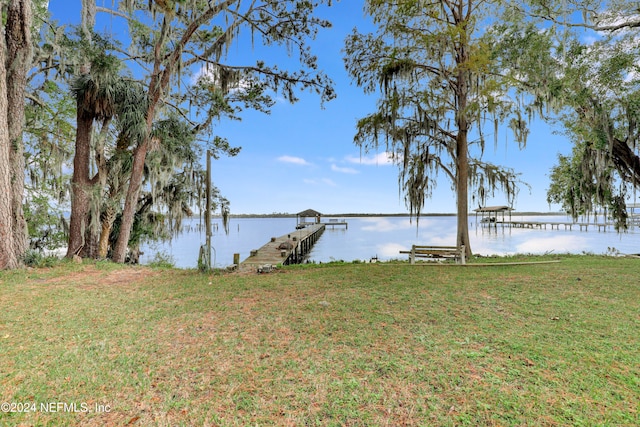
(307, 217)
(490, 213)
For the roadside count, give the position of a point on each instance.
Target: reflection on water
(385, 224)
(384, 237)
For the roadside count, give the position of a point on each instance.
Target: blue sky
(302, 155)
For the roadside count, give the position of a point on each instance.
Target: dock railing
(303, 246)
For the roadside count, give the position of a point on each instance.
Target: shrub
(35, 259)
(163, 259)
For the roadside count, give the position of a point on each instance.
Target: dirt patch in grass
(92, 277)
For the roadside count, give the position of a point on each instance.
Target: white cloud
(336, 168)
(203, 74)
(210, 74)
(323, 181)
(384, 158)
(293, 160)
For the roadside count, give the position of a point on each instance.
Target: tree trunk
(7, 254)
(159, 80)
(107, 224)
(110, 213)
(91, 236)
(462, 168)
(91, 247)
(19, 51)
(80, 184)
(131, 202)
(462, 186)
(462, 145)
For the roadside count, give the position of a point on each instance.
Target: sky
(302, 156)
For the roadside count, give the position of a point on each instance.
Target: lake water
(384, 237)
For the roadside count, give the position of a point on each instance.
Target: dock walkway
(543, 225)
(288, 249)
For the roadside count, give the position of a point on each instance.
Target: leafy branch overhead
(180, 35)
(592, 83)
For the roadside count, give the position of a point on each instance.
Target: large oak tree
(439, 82)
(15, 62)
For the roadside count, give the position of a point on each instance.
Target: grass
(329, 345)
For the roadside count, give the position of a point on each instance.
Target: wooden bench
(436, 252)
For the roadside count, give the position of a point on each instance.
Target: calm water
(384, 237)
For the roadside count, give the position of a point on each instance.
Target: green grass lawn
(352, 344)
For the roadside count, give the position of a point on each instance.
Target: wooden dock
(331, 223)
(288, 249)
(336, 223)
(552, 224)
(490, 218)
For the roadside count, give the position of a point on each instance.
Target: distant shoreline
(374, 215)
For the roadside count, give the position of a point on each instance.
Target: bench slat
(435, 247)
(432, 251)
